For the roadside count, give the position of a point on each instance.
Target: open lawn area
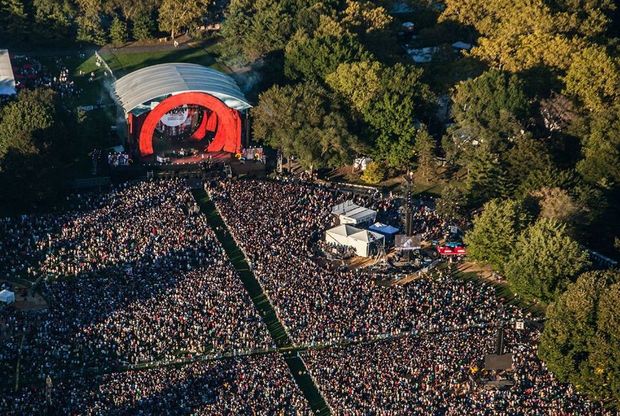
(124, 61)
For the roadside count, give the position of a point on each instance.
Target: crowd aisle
(133, 275)
(260, 385)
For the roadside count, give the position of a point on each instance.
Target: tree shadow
(69, 340)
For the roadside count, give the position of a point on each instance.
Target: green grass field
(124, 61)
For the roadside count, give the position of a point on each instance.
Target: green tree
(25, 123)
(143, 27)
(452, 203)
(132, 10)
(544, 261)
(374, 173)
(594, 78)
(254, 28)
(305, 121)
(118, 32)
(314, 57)
(581, 336)
(30, 132)
(521, 35)
(359, 82)
(89, 22)
(175, 16)
(550, 176)
(53, 19)
(486, 176)
(495, 232)
(425, 152)
(601, 149)
(390, 100)
(526, 155)
(397, 152)
(362, 16)
(492, 107)
(14, 19)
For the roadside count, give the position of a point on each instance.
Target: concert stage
(182, 114)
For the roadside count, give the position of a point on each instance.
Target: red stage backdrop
(227, 132)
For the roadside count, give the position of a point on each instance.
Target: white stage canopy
(350, 213)
(153, 82)
(362, 241)
(7, 79)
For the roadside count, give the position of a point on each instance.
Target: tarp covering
(7, 79)
(6, 296)
(383, 229)
(162, 80)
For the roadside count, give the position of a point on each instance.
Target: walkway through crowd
(277, 330)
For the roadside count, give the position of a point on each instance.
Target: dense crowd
(443, 374)
(136, 275)
(277, 224)
(132, 275)
(440, 327)
(260, 385)
(29, 73)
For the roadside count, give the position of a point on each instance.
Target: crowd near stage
(148, 315)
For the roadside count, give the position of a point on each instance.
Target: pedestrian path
(264, 307)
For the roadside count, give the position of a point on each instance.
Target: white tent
(7, 80)
(350, 213)
(460, 46)
(6, 296)
(422, 55)
(362, 241)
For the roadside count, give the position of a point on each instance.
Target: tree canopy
(495, 232)
(544, 261)
(175, 15)
(520, 35)
(491, 107)
(580, 341)
(304, 120)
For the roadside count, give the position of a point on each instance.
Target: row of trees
(342, 94)
(41, 22)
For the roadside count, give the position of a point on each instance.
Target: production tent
(362, 241)
(6, 296)
(350, 213)
(7, 80)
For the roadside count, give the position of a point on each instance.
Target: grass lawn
(123, 62)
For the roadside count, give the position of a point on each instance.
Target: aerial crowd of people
(438, 328)
(443, 374)
(277, 224)
(260, 385)
(30, 73)
(136, 276)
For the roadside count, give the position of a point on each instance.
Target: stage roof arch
(162, 80)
